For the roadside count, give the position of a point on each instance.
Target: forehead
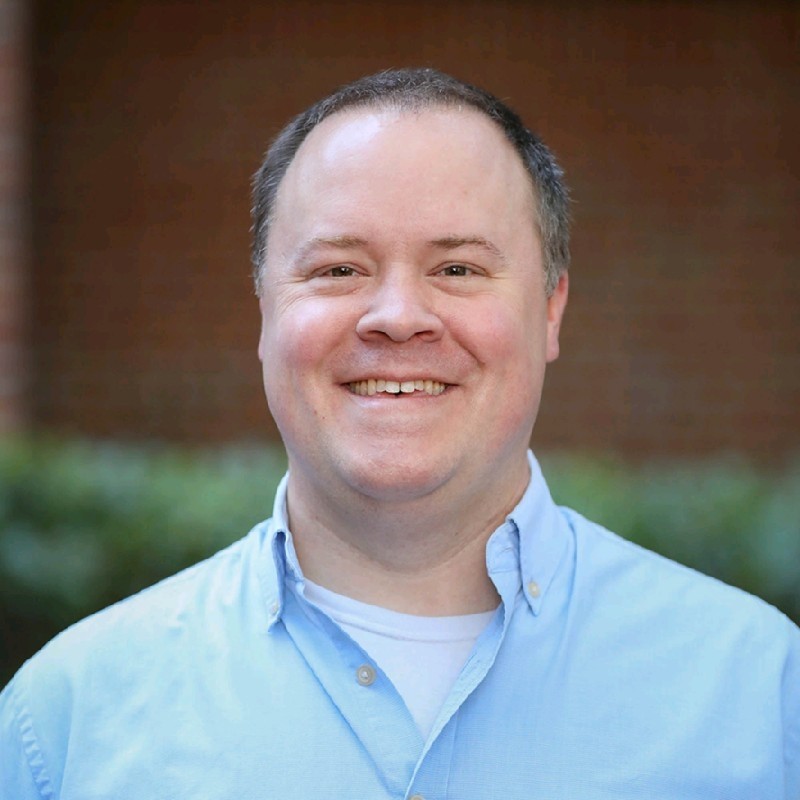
(404, 176)
(354, 130)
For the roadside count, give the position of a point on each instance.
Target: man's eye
(456, 271)
(340, 271)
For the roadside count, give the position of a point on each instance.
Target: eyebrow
(337, 242)
(347, 242)
(454, 242)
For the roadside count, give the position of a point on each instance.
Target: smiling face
(405, 327)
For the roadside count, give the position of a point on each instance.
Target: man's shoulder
(141, 626)
(135, 655)
(650, 586)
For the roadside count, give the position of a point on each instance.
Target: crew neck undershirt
(421, 656)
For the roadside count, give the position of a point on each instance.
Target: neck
(424, 556)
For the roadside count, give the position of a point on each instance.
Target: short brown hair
(414, 89)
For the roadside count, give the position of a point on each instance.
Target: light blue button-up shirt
(607, 672)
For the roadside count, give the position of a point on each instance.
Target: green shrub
(83, 524)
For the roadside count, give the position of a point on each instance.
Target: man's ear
(556, 304)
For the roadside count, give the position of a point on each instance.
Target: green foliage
(83, 524)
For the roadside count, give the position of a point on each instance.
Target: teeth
(380, 386)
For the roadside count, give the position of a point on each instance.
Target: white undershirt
(421, 656)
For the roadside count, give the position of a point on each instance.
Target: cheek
(298, 338)
(291, 350)
(505, 338)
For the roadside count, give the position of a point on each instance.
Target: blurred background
(134, 437)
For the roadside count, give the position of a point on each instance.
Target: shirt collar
(524, 551)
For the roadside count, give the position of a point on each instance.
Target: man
(417, 619)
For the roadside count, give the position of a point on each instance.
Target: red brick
(676, 123)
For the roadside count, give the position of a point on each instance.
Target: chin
(397, 479)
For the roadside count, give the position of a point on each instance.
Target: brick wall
(13, 213)
(677, 124)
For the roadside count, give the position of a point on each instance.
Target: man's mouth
(374, 386)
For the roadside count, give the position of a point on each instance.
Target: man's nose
(400, 308)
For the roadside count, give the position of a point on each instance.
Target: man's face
(403, 255)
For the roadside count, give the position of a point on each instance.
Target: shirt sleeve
(791, 697)
(19, 752)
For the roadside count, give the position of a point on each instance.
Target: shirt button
(533, 589)
(365, 675)
(275, 608)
